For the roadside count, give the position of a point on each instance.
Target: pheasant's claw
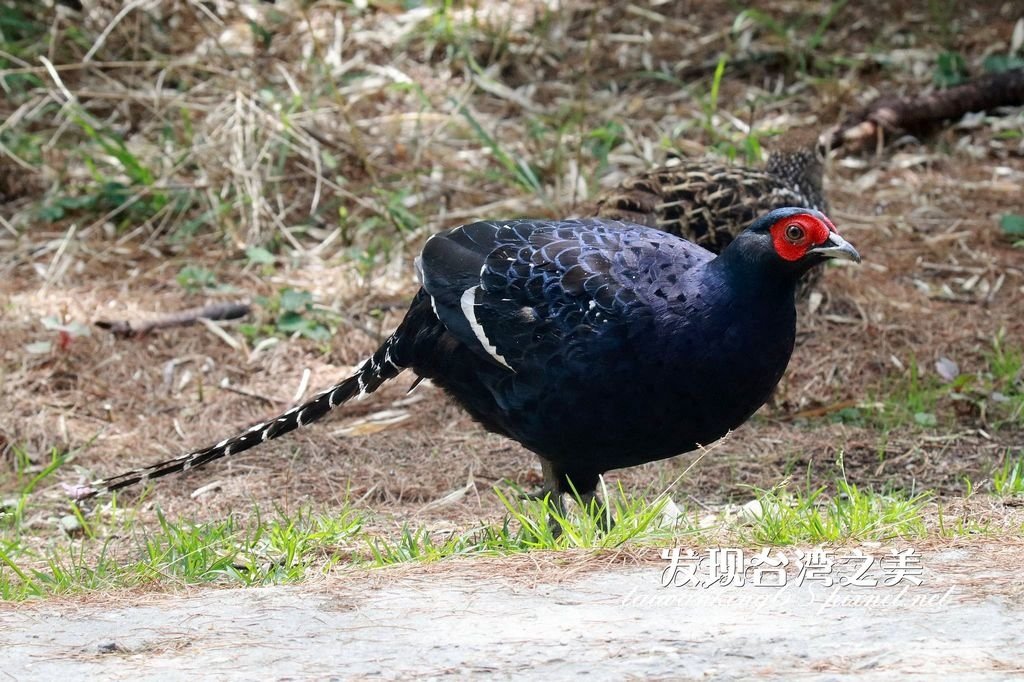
(538, 494)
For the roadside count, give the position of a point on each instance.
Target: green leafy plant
(950, 69)
(602, 140)
(195, 278)
(1012, 225)
(257, 255)
(291, 312)
(24, 37)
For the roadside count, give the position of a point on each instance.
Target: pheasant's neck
(752, 278)
(800, 169)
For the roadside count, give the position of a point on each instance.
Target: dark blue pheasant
(596, 344)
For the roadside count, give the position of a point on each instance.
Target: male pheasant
(709, 202)
(596, 344)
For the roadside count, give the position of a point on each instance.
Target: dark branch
(891, 114)
(216, 311)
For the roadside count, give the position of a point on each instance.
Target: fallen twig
(215, 311)
(821, 411)
(891, 114)
(275, 402)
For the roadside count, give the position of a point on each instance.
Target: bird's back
(710, 202)
(706, 202)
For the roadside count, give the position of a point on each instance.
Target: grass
(12, 513)
(258, 166)
(992, 395)
(259, 551)
(784, 517)
(113, 548)
(265, 551)
(1008, 480)
(801, 46)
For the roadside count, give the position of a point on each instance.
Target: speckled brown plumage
(710, 202)
(15, 181)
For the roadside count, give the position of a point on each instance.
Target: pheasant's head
(798, 157)
(788, 241)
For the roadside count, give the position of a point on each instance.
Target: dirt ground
(939, 280)
(121, 403)
(536, 618)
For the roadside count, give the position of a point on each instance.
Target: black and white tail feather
(378, 368)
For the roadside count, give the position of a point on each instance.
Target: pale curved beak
(837, 247)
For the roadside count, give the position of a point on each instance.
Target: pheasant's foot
(556, 504)
(538, 494)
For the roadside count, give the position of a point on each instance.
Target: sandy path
(963, 620)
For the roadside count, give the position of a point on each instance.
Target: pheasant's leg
(557, 507)
(551, 489)
(550, 486)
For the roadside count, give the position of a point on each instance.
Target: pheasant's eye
(794, 233)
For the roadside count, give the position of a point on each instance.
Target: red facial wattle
(814, 233)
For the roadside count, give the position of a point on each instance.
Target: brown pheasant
(710, 202)
(15, 182)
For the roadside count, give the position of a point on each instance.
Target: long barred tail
(380, 367)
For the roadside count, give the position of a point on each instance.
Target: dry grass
(152, 136)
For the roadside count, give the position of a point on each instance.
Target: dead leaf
(947, 369)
